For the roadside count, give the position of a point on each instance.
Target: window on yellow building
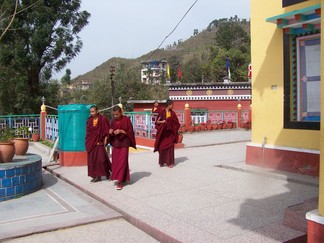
(302, 80)
(286, 3)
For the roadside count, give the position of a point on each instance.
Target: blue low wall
(20, 177)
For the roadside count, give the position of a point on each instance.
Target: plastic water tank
(72, 126)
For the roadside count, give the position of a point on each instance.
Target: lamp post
(43, 107)
(112, 74)
(239, 113)
(43, 118)
(120, 103)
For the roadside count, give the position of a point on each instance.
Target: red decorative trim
(300, 17)
(282, 21)
(308, 26)
(318, 12)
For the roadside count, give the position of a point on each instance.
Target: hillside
(181, 53)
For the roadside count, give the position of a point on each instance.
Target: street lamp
(43, 107)
(112, 74)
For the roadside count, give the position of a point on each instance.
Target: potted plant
(35, 135)
(220, 124)
(7, 148)
(191, 128)
(202, 126)
(21, 140)
(197, 127)
(229, 124)
(209, 126)
(183, 128)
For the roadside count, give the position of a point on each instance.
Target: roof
(145, 101)
(298, 21)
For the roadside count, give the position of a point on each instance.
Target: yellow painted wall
(321, 176)
(267, 61)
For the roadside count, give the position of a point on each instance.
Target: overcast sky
(131, 28)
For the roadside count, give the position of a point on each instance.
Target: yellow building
(286, 89)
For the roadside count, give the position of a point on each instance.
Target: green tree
(232, 35)
(191, 70)
(44, 39)
(66, 79)
(173, 62)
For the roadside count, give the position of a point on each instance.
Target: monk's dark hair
(117, 108)
(156, 102)
(94, 106)
(169, 102)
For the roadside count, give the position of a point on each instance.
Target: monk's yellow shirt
(95, 122)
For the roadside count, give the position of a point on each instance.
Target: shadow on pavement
(271, 210)
(136, 176)
(181, 160)
(49, 180)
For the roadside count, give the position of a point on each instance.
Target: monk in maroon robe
(167, 135)
(121, 138)
(156, 108)
(97, 132)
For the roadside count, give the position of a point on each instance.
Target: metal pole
(112, 73)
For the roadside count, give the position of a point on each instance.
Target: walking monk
(167, 124)
(97, 132)
(121, 138)
(156, 108)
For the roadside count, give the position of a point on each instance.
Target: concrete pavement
(209, 196)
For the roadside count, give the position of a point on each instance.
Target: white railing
(51, 127)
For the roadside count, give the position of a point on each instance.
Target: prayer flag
(228, 65)
(179, 72)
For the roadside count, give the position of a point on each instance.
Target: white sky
(131, 28)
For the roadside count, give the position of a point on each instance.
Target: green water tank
(72, 126)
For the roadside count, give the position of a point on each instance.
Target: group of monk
(119, 134)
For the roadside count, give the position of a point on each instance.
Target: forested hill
(202, 54)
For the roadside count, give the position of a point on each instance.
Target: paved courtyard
(209, 196)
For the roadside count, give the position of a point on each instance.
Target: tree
(66, 79)
(6, 15)
(232, 35)
(44, 39)
(173, 62)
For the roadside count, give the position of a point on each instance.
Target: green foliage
(47, 143)
(44, 39)
(66, 79)
(22, 131)
(232, 35)
(6, 135)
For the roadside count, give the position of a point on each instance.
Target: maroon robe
(155, 114)
(166, 137)
(98, 160)
(158, 110)
(121, 144)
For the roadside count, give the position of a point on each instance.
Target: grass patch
(47, 143)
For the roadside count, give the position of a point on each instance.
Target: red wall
(219, 105)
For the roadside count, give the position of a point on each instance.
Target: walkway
(209, 196)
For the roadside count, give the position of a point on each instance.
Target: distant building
(208, 102)
(154, 72)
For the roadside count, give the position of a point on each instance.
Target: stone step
(295, 214)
